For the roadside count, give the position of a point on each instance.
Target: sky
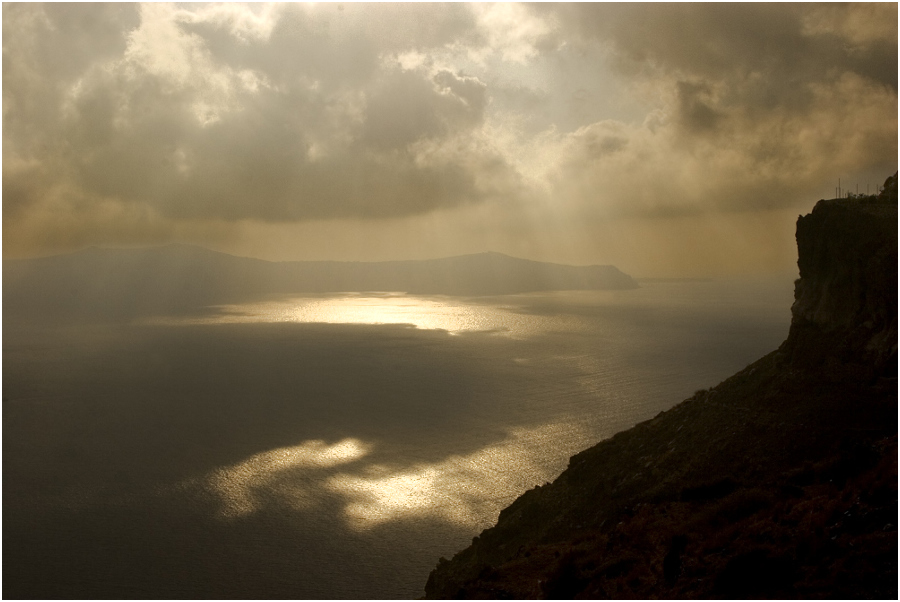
(668, 140)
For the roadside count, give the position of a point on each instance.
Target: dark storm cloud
(754, 97)
(35, 75)
(276, 157)
(766, 56)
(336, 43)
(203, 116)
(693, 110)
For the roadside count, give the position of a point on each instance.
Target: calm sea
(330, 446)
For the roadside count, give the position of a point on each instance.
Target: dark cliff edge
(780, 482)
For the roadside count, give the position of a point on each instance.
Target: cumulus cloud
(784, 42)
(226, 114)
(153, 122)
(756, 105)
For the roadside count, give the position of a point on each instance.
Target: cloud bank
(216, 124)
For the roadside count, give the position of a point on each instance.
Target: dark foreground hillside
(781, 482)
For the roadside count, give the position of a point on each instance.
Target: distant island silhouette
(98, 283)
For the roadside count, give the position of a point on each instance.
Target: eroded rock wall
(845, 306)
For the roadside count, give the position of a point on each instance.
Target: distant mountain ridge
(122, 283)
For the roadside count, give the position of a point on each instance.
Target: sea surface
(331, 446)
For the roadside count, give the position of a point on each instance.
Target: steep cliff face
(779, 482)
(846, 298)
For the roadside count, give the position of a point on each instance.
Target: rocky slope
(779, 482)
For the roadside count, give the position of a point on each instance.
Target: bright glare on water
(328, 446)
(451, 314)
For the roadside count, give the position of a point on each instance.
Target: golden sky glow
(666, 139)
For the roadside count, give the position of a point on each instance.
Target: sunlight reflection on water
(451, 314)
(245, 486)
(335, 460)
(464, 490)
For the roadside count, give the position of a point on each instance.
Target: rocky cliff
(779, 482)
(845, 307)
